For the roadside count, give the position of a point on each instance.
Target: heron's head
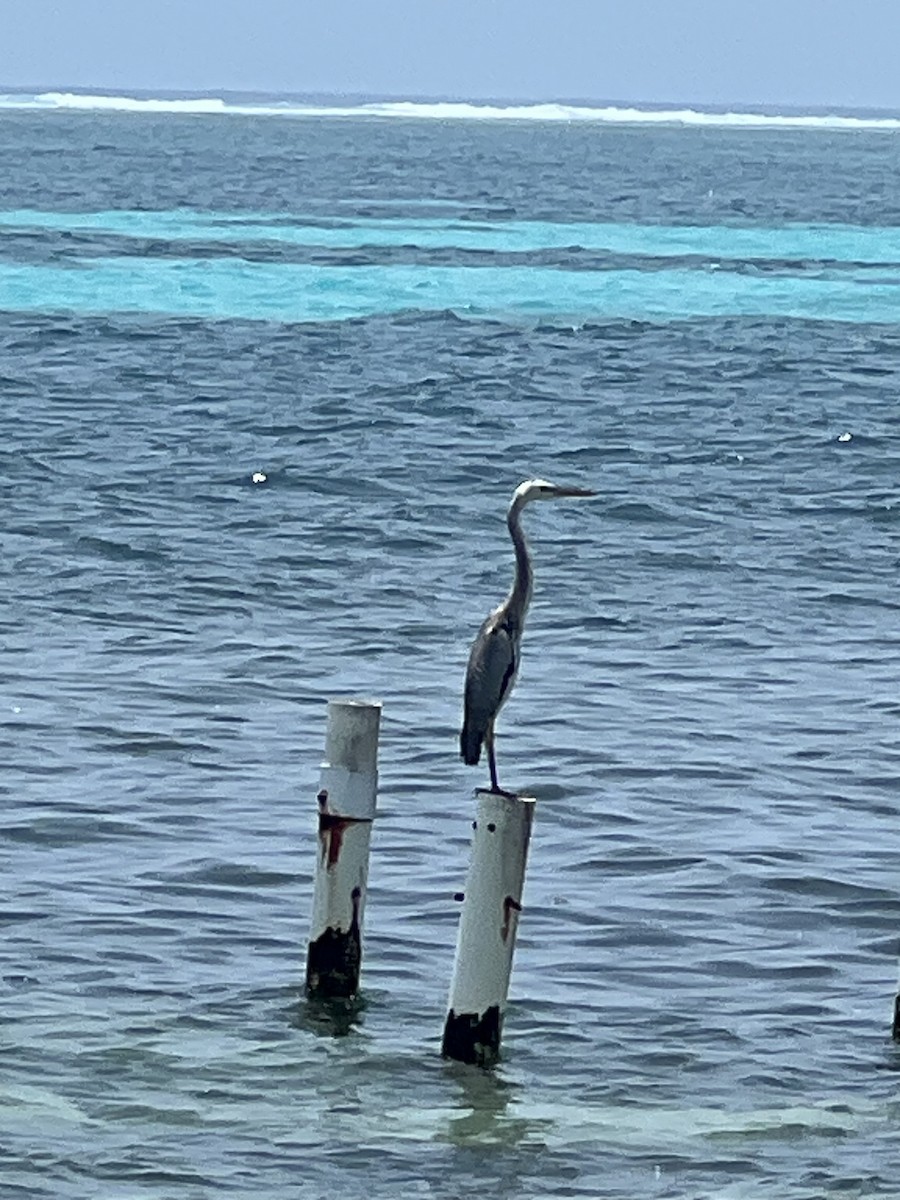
(542, 489)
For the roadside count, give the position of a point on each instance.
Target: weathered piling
(487, 928)
(348, 787)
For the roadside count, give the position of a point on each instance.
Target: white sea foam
(447, 111)
(201, 105)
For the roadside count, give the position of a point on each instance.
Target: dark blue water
(395, 322)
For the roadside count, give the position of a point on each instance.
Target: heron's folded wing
(492, 668)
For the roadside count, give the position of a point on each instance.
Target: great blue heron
(494, 657)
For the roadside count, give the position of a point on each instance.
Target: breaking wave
(444, 111)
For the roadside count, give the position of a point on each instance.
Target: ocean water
(395, 320)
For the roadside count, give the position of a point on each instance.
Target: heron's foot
(499, 791)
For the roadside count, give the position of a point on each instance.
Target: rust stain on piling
(473, 1038)
(332, 828)
(331, 836)
(333, 962)
(510, 906)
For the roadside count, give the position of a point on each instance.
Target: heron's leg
(492, 761)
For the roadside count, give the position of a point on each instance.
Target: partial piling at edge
(346, 800)
(487, 928)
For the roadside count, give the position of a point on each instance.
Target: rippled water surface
(395, 324)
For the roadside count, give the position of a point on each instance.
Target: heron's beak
(575, 491)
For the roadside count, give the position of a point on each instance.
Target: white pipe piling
(487, 928)
(348, 788)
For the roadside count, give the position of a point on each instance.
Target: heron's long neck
(520, 593)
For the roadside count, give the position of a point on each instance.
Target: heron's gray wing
(492, 669)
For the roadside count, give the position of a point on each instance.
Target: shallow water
(707, 709)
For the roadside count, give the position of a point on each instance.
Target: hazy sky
(814, 52)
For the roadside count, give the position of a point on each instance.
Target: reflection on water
(484, 1101)
(335, 1017)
